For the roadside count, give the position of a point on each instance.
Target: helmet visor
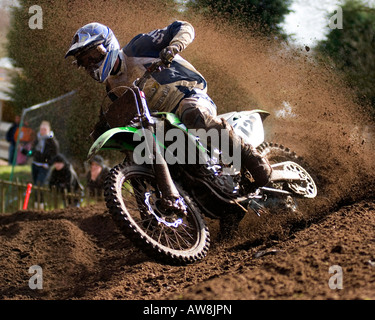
(90, 58)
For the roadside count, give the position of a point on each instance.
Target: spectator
(63, 176)
(10, 138)
(26, 139)
(44, 149)
(96, 176)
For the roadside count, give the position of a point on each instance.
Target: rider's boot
(251, 159)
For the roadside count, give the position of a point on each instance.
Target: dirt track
(84, 257)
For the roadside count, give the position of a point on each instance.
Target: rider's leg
(198, 112)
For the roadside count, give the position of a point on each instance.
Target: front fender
(120, 138)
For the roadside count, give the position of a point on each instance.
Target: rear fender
(248, 125)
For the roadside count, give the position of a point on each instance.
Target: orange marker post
(27, 196)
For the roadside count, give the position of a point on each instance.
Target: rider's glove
(167, 54)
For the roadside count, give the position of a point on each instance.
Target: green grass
(20, 173)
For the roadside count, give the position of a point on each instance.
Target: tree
(351, 50)
(264, 16)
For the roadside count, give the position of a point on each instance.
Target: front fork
(170, 197)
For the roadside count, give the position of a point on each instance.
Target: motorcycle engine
(213, 176)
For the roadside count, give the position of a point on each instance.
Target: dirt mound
(83, 256)
(71, 246)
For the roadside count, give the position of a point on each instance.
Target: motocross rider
(180, 89)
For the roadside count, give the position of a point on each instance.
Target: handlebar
(156, 66)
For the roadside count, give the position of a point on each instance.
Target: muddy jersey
(165, 89)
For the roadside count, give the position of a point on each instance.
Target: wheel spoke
(186, 242)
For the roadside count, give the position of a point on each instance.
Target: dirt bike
(134, 190)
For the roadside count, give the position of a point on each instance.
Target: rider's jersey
(165, 89)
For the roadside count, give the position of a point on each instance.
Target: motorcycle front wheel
(133, 199)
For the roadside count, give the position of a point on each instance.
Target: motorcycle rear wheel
(299, 199)
(276, 153)
(132, 198)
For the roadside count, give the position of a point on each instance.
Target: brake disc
(174, 224)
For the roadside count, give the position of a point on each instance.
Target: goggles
(91, 57)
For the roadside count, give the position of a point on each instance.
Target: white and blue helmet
(95, 48)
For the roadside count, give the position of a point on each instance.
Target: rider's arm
(179, 34)
(183, 34)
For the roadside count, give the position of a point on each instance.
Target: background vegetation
(20, 173)
(351, 50)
